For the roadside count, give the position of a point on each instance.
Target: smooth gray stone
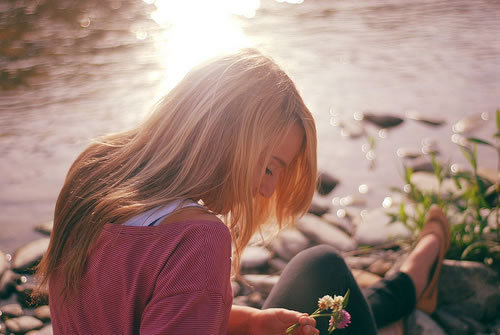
(46, 330)
(382, 120)
(373, 228)
(42, 313)
(472, 286)
(236, 288)
(262, 283)
(4, 263)
(277, 264)
(326, 183)
(409, 153)
(11, 310)
(45, 228)
(422, 164)
(425, 325)
(352, 129)
(289, 243)
(359, 262)
(322, 232)
(23, 324)
(255, 257)
(241, 300)
(426, 119)
(343, 223)
(451, 324)
(317, 208)
(29, 255)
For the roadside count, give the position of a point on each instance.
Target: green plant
(471, 208)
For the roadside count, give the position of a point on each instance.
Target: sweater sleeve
(193, 292)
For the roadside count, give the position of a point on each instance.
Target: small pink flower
(345, 319)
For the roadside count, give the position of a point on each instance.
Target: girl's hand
(275, 321)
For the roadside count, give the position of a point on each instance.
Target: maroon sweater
(168, 279)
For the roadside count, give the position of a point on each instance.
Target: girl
(146, 218)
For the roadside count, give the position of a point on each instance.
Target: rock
(408, 153)
(380, 267)
(373, 228)
(11, 311)
(28, 296)
(262, 283)
(382, 121)
(425, 325)
(317, 208)
(422, 164)
(28, 256)
(450, 323)
(471, 285)
(4, 263)
(23, 324)
(47, 330)
(321, 232)
(289, 243)
(255, 258)
(278, 264)
(359, 262)
(470, 123)
(255, 299)
(428, 183)
(343, 223)
(425, 119)
(236, 288)
(45, 228)
(364, 278)
(8, 283)
(241, 300)
(326, 183)
(351, 129)
(42, 313)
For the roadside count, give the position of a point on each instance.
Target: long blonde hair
(203, 141)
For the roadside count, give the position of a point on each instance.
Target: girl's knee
(322, 256)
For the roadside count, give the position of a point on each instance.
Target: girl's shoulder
(190, 214)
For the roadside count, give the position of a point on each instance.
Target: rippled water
(73, 70)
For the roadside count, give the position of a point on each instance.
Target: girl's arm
(273, 321)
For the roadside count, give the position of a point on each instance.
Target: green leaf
(479, 141)
(346, 298)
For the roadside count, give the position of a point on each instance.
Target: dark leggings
(320, 270)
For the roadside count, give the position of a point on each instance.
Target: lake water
(73, 70)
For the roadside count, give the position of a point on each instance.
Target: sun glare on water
(194, 30)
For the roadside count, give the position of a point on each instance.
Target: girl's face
(281, 157)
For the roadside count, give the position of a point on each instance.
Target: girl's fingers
(305, 320)
(309, 330)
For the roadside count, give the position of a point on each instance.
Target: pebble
(359, 262)
(42, 313)
(23, 324)
(262, 283)
(321, 232)
(373, 228)
(45, 228)
(364, 278)
(317, 208)
(351, 129)
(426, 119)
(288, 243)
(383, 120)
(4, 264)
(11, 310)
(254, 257)
(46, 330)
(343, 223)
(380, 267)
(29, 255)
(425, 325)
(326, 183)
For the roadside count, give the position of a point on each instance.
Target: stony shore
(469, 295)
